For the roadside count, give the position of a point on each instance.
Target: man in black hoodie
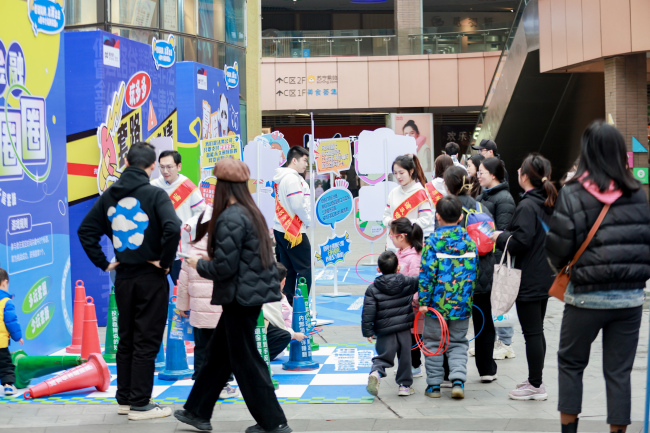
(142, 224)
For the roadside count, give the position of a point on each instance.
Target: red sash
(182, 193)
(290, 225)
(434, 193)
(415, 200)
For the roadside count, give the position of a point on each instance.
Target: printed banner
(333, 155)
(218, 148)
(34, 232)
(334, 250)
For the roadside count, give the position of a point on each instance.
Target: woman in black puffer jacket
(526, 234)
(498, 201)
(606, 291)
(244, 277)
(459, 184)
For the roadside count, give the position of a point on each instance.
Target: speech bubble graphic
(334, 250)
(334, 206)
(231, 75)
(46, 16)
(164, 52)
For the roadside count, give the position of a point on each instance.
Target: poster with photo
(420, 127)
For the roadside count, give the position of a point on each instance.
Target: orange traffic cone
(93, 373)
(90, 335)
(77, 317)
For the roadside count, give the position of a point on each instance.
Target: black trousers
(277, 339)
(7, 368)
(484, 342)
(175, 271)
(232, 349)
(531, 317)
(580, 327)
(297, 260)
(201, 340)
(416, 354)
(142, 305)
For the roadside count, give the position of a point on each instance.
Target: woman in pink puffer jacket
(195, 294)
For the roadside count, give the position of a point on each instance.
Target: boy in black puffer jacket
(388, 314)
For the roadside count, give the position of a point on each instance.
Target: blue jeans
(505, 335)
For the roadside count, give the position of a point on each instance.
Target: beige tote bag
(505, 285)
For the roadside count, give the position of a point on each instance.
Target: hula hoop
(356, 266)
(482, 324)
(444, 340)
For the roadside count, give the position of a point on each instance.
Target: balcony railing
(381, 43)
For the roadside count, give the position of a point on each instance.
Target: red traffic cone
(77, 317)
(93, 373)
(90, 335)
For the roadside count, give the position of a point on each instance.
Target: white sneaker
(151, 411)
(373, 383)
(529, 392)
(10, 390)
(229, 392)
(489, 378)
(417, 372)
(522, 384)
(502, 351)
(472, 351)
(123, 409)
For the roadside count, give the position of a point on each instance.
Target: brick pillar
(626, 100)
(408, 19)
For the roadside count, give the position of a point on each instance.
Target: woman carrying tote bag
(525, 239)
(606, 285)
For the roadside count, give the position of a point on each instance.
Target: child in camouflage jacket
(447, 276)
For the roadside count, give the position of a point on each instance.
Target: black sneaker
(189, 418)
(282, 428)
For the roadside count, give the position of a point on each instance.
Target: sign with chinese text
(34, 229)
(334, 250)
(164, 52)
(333, 155)
(218, 148)
(333, 206)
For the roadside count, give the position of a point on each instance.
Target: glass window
(141, 13)
(211, 54)
(144, 36)
(243, 130)
(236, 22)
(170, 15)
(212, 19)
(189, 16)
(82, 12)
(186, 48)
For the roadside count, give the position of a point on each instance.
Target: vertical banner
(208, 117)
(115, 97)
(34, 233)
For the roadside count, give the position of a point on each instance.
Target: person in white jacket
(410, 199)
(195, 294)
(291, 219)
(185, 196)
(278, 333)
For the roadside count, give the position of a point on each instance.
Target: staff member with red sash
(291, 219)
(185, 196)
(410, 199)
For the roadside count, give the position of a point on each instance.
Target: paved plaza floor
(486, 407)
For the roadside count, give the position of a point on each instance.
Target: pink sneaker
(529, 392)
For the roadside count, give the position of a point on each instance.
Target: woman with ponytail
(459, 184)
(527, 234)
(410, 199)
